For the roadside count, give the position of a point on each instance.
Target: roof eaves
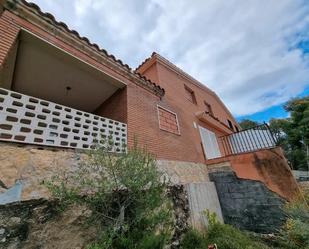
(11, 4)
(182, 73)
(145, 61)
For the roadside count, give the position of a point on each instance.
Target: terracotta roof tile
(49, 16)
(147, 59)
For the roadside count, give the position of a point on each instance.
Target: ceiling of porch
(47, 72)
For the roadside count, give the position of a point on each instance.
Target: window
(208, 108)
(236, 128)
(190, 95)
(230, 124)
(168, 120)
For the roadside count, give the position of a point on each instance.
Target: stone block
(239, 195)
(248, 204)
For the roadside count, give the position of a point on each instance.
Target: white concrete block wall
(31, 120)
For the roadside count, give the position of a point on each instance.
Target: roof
(157, 57)
(179, 70)
(12, 5)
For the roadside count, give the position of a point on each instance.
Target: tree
(126, 195)
(298, 131)
(279, 129)
(247, 124)
(293, 133)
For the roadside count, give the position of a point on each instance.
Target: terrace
(50, 97)
(248, 140)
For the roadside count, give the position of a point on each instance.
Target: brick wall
(115, 107)
(168, 120)
(175, 85)
(143, 124)
(8, 34)
(189, 147)
(135, 105)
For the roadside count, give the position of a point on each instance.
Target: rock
(37, 224)
(181, 213)
(15, 221)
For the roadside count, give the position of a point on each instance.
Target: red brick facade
(115, 107)
(176, 84)
(168, 120)
(8, 35)
(167, 125)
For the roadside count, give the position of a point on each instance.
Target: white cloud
(246, 51)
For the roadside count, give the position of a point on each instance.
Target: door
(210, 144)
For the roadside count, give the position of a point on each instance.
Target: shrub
(223, 235)
(295, 232)
(126, 196)
(293, 235)
(228, 237)
(194, 240)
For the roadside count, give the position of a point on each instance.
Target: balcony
(31, 120)
(249, 140)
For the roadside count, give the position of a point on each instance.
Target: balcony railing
(259, 137)
(26, 119)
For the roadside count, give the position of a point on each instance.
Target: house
(200, 117)
(56, 79)
(60, 91)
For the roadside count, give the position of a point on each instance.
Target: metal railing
(26, 119)
(259, 137)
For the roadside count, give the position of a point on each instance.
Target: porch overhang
(40, 69)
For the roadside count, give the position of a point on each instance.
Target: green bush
(224, 236)
(295, 232)
(194, 240)
(228, 237)
(293, 235)
(126, 196)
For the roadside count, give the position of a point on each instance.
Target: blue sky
(253, 53)
(276, 111)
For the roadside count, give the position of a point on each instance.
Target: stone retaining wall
(24, 167)
(184, 172)
(268, 166)
(248, 204)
